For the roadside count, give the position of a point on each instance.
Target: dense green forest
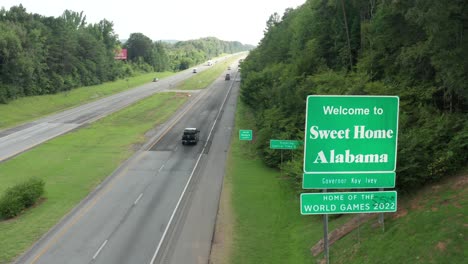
(44, 55)
(415, 49)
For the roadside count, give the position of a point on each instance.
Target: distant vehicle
(210, 63)
(191, 136)
(194, 70)
(228, 77)
(155, 79)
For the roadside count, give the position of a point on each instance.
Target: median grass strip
(202, 79)
(33, 107)
(74, 164)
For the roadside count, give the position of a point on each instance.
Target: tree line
(416, 49)
(45, 55)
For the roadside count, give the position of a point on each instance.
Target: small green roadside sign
(348, 180)
(284, 144)
(245, 134)
(348, 202)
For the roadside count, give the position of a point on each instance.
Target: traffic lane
(192, 238)
(23, 140)
(133, 241)
(136, 238)
(109, 216)
(81, 237)
(200, 116)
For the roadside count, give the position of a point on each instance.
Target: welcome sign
(351, 134)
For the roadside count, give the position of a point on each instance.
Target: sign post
(350, 142)
(284, 144)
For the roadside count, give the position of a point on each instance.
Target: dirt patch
(342, 231)
(401, 212)
(223, 236)
(461, 182)
(441, 246)
(416, 203)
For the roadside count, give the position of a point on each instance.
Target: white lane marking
(138, 199)
(160, 169)
(188, 182)
(99, 250)
(24, 132)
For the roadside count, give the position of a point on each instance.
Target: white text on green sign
(245, 134)
(284, 144)
(348, 202)
(348, 180)
(351, 133)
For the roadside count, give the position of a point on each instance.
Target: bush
(21, 196)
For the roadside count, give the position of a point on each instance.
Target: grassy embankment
(203, 79)
(33, 107)
(74, 164)
(429, 227)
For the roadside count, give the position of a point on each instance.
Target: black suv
(190, 136)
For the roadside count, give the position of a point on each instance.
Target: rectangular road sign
(351, 134)
(348, 202)
(245, 134)
(348, 180)
(284, 144)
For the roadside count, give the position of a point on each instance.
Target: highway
(159, 206)
(19, 139)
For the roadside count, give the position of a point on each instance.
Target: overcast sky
(241, 20)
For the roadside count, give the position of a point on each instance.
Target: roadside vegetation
(203, 79)
(264, 223)
(72, 165)
(42, 55)
(413, 49)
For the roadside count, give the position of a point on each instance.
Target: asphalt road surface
(160, 206)
(16, 140)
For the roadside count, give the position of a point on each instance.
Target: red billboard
(121, 54)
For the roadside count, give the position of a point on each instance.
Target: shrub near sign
(351, 134)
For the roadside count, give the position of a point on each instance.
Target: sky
(234, 20)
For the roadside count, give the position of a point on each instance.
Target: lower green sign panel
(348, 202)
(349, 180)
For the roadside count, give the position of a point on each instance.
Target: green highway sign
(348, 180)
(284, 144)
(245, 134)
(351, 134)
(348, 202)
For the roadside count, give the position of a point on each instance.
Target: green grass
(202, 79)
(431, 228)
(29, 108)
(74, 164)
(268, 227)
